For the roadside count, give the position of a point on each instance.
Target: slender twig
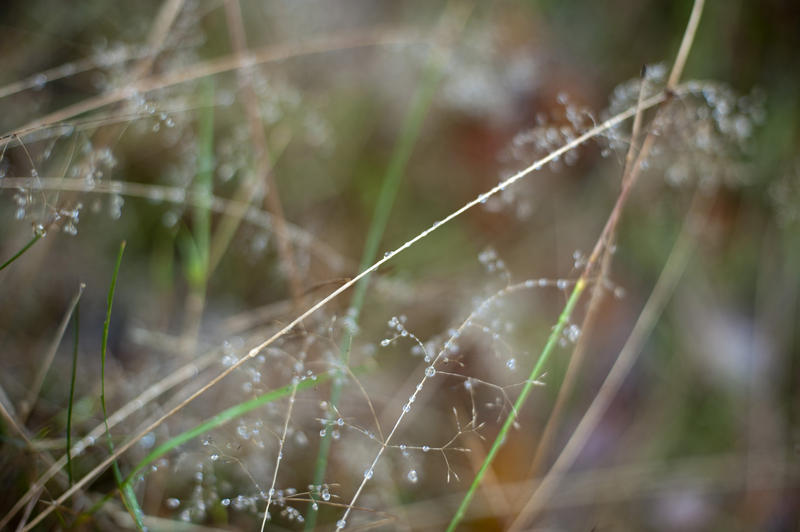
(281, 443)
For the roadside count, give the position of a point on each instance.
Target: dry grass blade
(379, 37)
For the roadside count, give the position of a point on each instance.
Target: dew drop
(430, 371)
(148, 440)
(412, 476)
(39, 82)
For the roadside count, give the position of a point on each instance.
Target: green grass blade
(19, 253)
(77, 323)
(409, 133)
(128, 497)
(203, 183)
(220, 419)
(552, 341)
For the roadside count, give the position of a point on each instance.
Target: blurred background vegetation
(247, 193)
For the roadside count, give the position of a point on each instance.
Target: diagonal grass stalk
(128, 497)
(73, 373)
(19, 253)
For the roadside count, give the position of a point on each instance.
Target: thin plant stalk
(330, 43)
(264, 164)
(179, 195)
(19, 253)
(44, 367)
(197, 244)
(76, 332)
(128, 497)
(281, 443)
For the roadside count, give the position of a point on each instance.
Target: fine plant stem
(196, 244)
(379, 37)
(180, 196)
(44, 366)
(19, 253)
(686, 44)
(236, 214)
(281, 443)
(409, 133)
(264, 165)
(593, 132)
(159, 32)
(77, 327)
(665, 286)
(127, 494)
